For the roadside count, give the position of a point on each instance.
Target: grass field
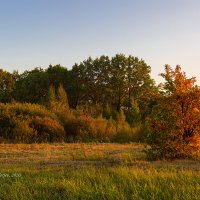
(93, 171)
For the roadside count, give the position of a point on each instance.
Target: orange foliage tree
(174, 125)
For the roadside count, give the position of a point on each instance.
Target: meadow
(93, 171)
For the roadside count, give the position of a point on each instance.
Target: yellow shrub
(48, 130)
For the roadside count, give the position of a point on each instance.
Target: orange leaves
(182, 83)
(177, 113)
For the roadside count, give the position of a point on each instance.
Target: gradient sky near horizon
(37, 33)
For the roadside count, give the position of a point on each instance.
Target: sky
(37, 33)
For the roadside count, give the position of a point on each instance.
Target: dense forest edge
(103, 100)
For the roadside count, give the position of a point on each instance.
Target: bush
(26, 109)
(29, 123)
(128, 134)
(125, 133)
(6, 122)
(80, 129)
(86, 128)
(47, 130)
(15, 128)
(22, 132)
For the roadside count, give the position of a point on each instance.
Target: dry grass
(50, 153)
(80, 155)
(93, 171)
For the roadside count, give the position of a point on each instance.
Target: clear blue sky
(41, 32)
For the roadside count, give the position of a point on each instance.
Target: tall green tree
(112, 82)
(32, 86)
(7, 83)
(76, 88)
(58, 75)
(89, 81)
(118, 79)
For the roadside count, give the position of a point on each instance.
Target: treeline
(103, 99)
(115, 82)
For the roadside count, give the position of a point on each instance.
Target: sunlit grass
(93, 171)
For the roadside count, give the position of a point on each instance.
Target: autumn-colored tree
(175, 120)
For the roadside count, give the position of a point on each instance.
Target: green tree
(32, 86)
(118, 79)
(7, 83)
(130, 79)
(133, 116)
(114, 82)
(77, 87)
(141, 87)
(58, 75)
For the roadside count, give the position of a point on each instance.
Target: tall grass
(102, 183)
(93, 171)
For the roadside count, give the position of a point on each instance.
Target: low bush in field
(29, 123)
(27, 109)
(128, 134)
(48, 130)
(86, 128)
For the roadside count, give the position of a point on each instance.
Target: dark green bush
(6, 123)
